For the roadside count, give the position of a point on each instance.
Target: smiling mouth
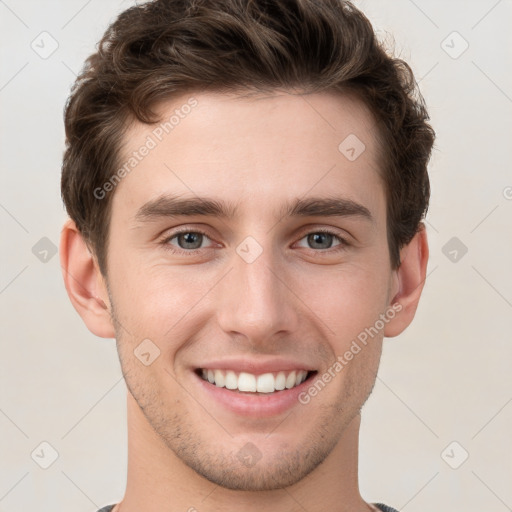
(244, 382)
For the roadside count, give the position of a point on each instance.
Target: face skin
(304, 298)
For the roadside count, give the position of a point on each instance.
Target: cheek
(156, 302)
(348, 299)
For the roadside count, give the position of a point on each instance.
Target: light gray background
(446, 379)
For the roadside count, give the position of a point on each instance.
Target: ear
(408, 283)
(84, 282)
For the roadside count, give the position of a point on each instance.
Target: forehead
(260, 150)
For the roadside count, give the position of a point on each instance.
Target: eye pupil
(323, 239)
(190, 239)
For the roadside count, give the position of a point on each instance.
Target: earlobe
(84, 282)
(410, 277)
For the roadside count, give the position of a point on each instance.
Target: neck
(158, 481)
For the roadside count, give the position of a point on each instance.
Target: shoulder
(384, 508)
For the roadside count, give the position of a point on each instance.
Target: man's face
(261, 290)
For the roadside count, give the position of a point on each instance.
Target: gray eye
(320, 240)
(189, 240)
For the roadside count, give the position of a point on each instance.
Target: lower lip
(256, 405)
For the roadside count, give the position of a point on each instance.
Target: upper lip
(256, 366)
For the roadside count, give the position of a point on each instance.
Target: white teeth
(280, 383)
(290, 380)
(247, 382)
(231, 380)
(301, 376)
(265, 383)
(219, 379)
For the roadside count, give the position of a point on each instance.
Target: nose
(255, 301)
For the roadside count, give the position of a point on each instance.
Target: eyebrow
(174, 206)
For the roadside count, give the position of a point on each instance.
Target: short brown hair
(164, 48)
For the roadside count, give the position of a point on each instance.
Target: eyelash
(343, 244)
